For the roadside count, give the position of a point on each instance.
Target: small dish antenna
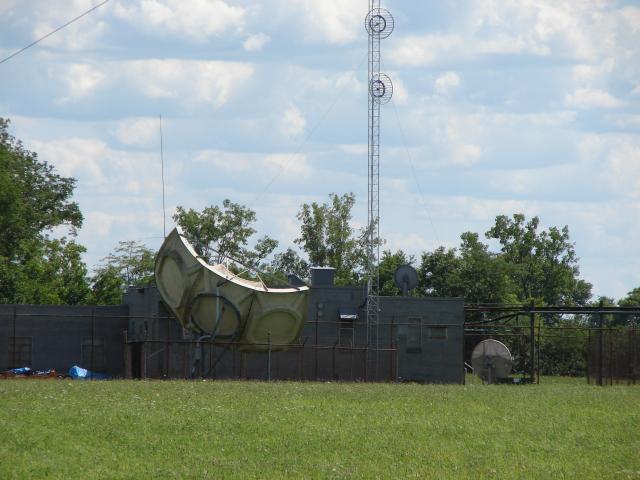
(406, 278)
(381, 88)
(491, 361)
(379, 23)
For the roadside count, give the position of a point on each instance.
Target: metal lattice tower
(379, 25)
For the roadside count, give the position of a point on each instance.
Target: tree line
(529, 264)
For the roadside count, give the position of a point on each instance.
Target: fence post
(611, 364)
(538, 362)
(532, 341)
(269, 356)
(366, 362)
(600, 346)
(315, 349)
(168, 349)
(13, 340)
(333, 361)
(93, 343)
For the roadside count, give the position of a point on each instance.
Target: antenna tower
(379, 25)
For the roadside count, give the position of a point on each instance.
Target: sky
(499, 107)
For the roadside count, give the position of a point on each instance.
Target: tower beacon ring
(381, 88)
(379, 22)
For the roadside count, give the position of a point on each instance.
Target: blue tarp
(83, 373)
(28, 372)
(21, 371)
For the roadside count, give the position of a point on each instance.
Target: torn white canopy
(211, 299)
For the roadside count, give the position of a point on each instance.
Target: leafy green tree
(289, 262)
(130, 264)
(472, 272)
(107, 286)
(483, 275)
(632, 299)
(50, 271)
(389, 263)
(220, 233)
(33, 200)
(543, 265)
(329, 240)
(531, 265)
(439, 273)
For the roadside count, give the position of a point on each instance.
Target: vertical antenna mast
(164, 215)
(379, 24)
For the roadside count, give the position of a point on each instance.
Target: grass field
(180, 429)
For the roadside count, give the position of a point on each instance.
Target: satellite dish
(379, 23)
(406, 278)
(381, 88)
(491, 360)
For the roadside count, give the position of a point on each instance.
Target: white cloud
(636, 90)
(400, 91)
(198, 19)
(76, 157)
(192, 82)
(256, 42)
(585, 98)
(410, 243)
(466, 155)
(355, 148)
(622, 172)
(328, 21)
(590, 72)
(426, 49)
(293, 122)
(79, 35)
(138, 131)
(81, 79)
(6, 6)
(447, 82)
(98, 223)
(286, 164)
(587, 31)
(212, 82)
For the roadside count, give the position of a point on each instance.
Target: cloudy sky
(499, 107)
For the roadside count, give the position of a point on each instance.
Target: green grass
(180, 429)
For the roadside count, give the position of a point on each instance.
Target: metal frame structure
(379, 24)
(602, 368)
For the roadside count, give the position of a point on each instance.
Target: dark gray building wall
(426, 332)
(430, 337)
(421, 340)
(151, 336)
(52, 336)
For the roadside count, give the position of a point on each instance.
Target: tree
(130, 264)
(289, 262)
(107, 286)
(543, 265)
(439, 273)
(483, 274)
(50, 271)
(471, 271)
(33, 200)
(632, 299)
(221, 233)
(389, 263)
(531, 265)
(328, 239)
